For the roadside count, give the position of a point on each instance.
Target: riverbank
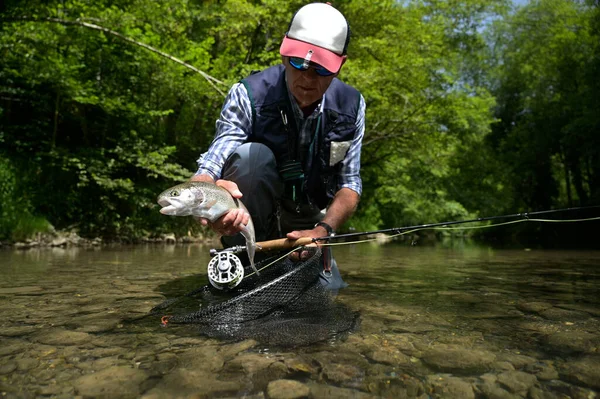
(63, 239)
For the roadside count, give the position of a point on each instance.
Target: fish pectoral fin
(210, 203)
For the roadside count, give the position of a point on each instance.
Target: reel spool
(225, 270)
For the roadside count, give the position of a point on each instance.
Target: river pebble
(287, 389)
(112, 382)
(458, 359)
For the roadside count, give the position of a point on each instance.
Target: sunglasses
(299, 64)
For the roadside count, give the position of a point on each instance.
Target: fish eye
(174, 193)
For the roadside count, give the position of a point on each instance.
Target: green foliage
(471, 110)
(546, 84)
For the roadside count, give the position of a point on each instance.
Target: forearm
(341, 208)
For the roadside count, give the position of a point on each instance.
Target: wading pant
(254, 169)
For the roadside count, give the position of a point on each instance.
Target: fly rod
(285, 243)
(225, 269)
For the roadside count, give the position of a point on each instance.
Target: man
(289, 138)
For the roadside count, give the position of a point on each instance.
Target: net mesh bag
(285, 305)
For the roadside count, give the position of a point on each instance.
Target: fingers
(231, 223)
(231, 187)
(299, 255)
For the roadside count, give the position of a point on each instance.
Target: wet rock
(7, 367)
(21, 290)
(517, 360)
(229, 351)
(517, 382)
(457, 359)
(389, 356)
(543, 370)
(27, 364)
(287, 389)
(564, 389)
(183, 383)
(572, 342)
(563, 314)
(493, 391)
(249, 362)
(449, 387)
(584, 371)
(534, 307)
(300, 364)
(538, 393)
(342, 373)
(330, 391)
(113, 382)
(60, 337)
(10, 347)
(203, 358)
(17, 331)
(594, 311)
(503, 366)
(59, 242)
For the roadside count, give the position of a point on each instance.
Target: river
(458, 321)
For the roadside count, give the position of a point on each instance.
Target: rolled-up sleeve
(350, 171)
(232, 130)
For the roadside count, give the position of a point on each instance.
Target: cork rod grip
(282, 243)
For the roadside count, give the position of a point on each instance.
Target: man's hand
(233, 221)
(317, 232)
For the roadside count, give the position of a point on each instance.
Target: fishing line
(329, 241)
(391, 236)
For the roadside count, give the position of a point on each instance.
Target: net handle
(283, 243)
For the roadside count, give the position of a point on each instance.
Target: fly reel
(225, 270)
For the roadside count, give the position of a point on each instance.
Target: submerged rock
(458, 359)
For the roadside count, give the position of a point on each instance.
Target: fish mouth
(167, 206)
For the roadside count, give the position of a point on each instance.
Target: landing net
(286, 305)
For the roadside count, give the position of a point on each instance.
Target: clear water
(451, 322)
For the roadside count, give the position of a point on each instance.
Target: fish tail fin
(251, 249)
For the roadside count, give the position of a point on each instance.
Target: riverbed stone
(249, 362)
(585, 371)
(533, 307)
(517, 382)
(184, 383)
(563, 314)
(113, 382)
(7, 367)
(333, 392)
(450, 387)
(450, 358)
(287, 389)
(493, 391)
(389, 356)
(60, 337)
(517, 360)
(27, 364)
(343, 374)
(17, 331)
(231, 350)
(543, 370)
(573, 342)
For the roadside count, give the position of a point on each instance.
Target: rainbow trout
(205, 200)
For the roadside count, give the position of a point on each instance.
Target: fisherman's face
(307, 87)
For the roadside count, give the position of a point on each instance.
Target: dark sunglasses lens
(298, 63)
(321, 71)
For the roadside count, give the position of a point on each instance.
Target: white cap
(318, 33)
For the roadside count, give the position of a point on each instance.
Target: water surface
(459, 322)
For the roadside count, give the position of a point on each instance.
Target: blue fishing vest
(269, 97)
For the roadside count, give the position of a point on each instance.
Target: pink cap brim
(296, 48)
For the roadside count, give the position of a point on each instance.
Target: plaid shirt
(235, 125)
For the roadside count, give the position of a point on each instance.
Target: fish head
(180, 200)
